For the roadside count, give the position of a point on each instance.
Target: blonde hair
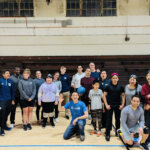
(27, 70)
(63, 67)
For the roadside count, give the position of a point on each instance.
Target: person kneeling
(79, 115)
(132, 120)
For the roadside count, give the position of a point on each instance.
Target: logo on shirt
(77, 108)
(30, 83)
(65, 78)
(2, 83)
(9, 84)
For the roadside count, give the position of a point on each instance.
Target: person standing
(133, 88)
(114, 99)
(76, 79)
(27, 89)
(79, 115)
(65, 92)
(59, 86)
(48, 96)
(38, 82)
(15, 78)
(7, 96)
(94, 73)
(103, 81)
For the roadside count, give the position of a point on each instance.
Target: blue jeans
(72, 129)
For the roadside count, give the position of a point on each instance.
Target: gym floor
(52, 138)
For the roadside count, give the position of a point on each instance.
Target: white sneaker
(12, 126)
(57, 120)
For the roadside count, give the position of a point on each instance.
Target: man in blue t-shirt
(79, 115)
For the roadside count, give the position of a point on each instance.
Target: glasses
(133, 76)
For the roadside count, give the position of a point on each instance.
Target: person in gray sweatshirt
(27, 89)
(59, 86)
(132, 121)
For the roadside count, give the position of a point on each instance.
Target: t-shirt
(77, 110)
(114, 94)
(104, 83)
(130, 92)
(96, 96)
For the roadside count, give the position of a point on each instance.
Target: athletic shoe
(93, 132)
(12, 126)
(82, 137)
(52, 124)
(25, 127)
(119, 132)
(2, 133)
(57, 120)
(143, 146)
(67, 117)
(107, 138)
(7, 128)
(98, 133)
(29, 126)
(44, 125)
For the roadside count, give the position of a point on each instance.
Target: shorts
(25, 103)
(126, 136)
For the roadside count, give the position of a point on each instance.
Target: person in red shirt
(146, 97)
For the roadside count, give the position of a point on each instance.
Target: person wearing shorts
(132, 122)
(27, 89)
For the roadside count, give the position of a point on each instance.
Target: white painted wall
(86, 36)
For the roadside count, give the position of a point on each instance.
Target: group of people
(102, 98)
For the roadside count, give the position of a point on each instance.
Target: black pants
(38, 111)
(48, 111)
(4, 112)
(104, 118)
(56, 111)
(109, 115)
(13, 110)
(147, 123)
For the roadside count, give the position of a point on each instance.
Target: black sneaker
(143, 146)
(82, 137)
(29, 126)
(52, 124)
(44, 125)
(67, 117)
(25, 127)
(107, 138)
(118, 132)
(2, 133)
(7, 128)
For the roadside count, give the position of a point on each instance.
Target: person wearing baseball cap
(114, 99)
(48, 96)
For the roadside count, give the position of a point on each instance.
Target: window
(76, 8)
(16, 8)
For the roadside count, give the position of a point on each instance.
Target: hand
(132, 135)
(121, 107)
(98, 70)
(39, 103)
(61, 98)
(30, 99)
(56, 103)
(103, 109)
(13, 102)
(148, 95)
(147, 107)
(108, 107)
(141, 131)
(74, 86)
(74, 121)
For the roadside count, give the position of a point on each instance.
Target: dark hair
(104, 70)
(95, 81)
(75, 92)
(135, 96)
(4, 71)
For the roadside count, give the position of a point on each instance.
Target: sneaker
(67, 117)
(119, 132)
(93, 132)
(98, 133)
(7, 128)
(2, 133)
(52, 124)
(25, 127)
(12, 126)
(143, 146)
(107, 138)
(82, 137)
(57, 120)
(44, 125)
(29, 126)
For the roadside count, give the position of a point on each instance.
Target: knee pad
(146, 130)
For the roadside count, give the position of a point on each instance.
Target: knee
(65, 136)
(130, 143)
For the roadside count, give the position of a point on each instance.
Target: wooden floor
(52, 138)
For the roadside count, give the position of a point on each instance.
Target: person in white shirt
(75, 83)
